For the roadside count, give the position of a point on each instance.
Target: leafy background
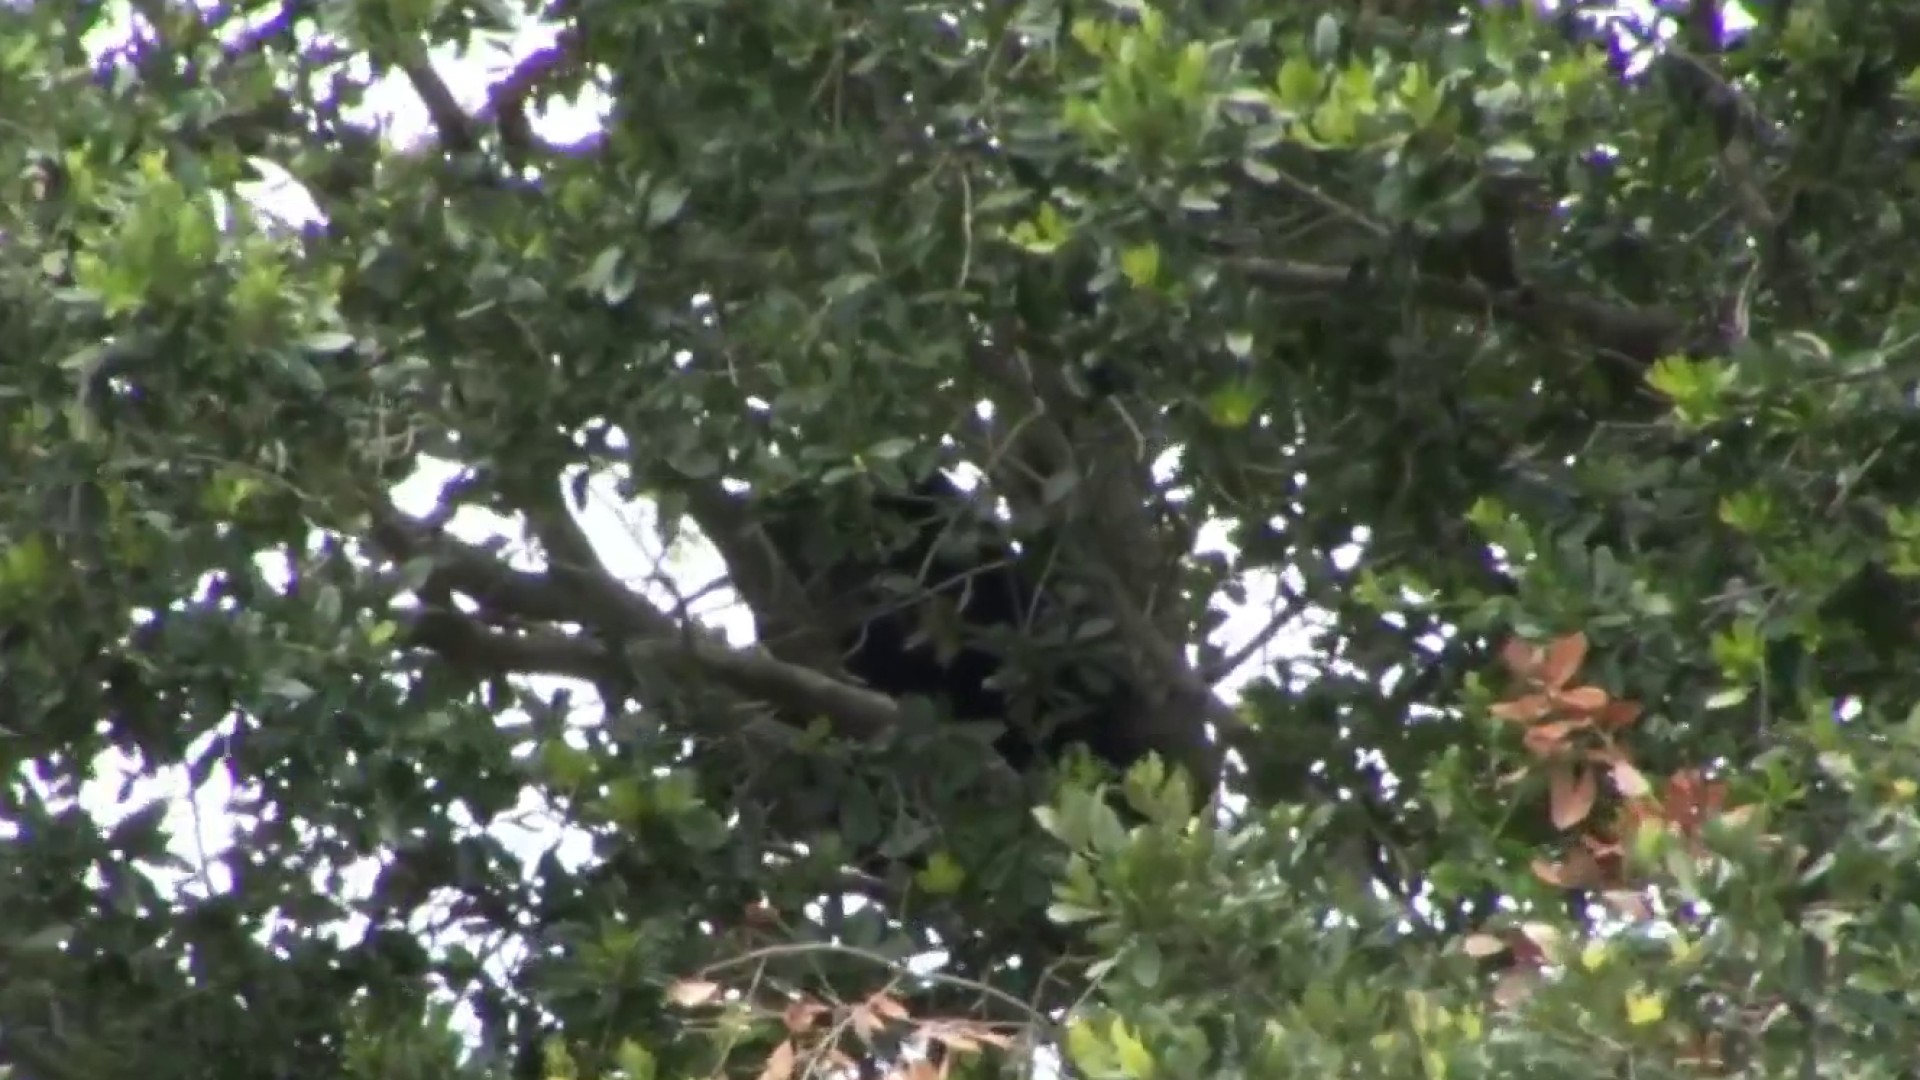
(1557, 382)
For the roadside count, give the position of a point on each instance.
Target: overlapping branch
(647, 638)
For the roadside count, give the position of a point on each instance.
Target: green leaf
(703, 830)
(1727, 697)
(1299, 85)
(25, 565)
(891, 449)
(286, 687)
(635, 1062)
(1326, 37)
(1088, 1051)
(328, 342)
(1233, 406)
(1145, 964)
(1070, 914)
(1141, 265)
(942, 876)
(665, 202)
(1130, 1053)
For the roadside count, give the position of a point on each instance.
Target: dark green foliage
(1455, 325)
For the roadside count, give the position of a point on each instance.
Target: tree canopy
(1470, 453)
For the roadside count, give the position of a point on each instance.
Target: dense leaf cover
(1473, 449)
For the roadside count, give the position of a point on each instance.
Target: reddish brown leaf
(1629, 781)
(780, 1063)
(1543, 935)
(1570, 796)
(1563, 660)
(1586, 700)
(1691, 799)
(1526, 951)
(1521, 658)
(692, 993)
(1479, 946)
(1547, 740)
(1627, 903)
(1601, 848)
(1620, 714)
(1579, 870)
(882, 1005)
(973, 1033)
(1523, 710)
(954, 1040)
(865, 1024)
(1513, 987)
(800, 1016)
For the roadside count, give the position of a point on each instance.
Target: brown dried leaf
(1508, 779)
(1521, 657)
(1523, 710)
(1579, 870)
(864, 1023)
(923, 1070)
(954, 1040)
(1547, 740)
(800, 1016)
(969, 1030)
(692, 993)
(882, 1005)
(1514, 987)
(1570, 796)
(1628, 903)
(1585, 700)
(1527, 953)
(780, 1063)
(1480, 946)
(1545, 935)
(1629, 781)
(1620, 714)
(1588, 872)
(1563, 660)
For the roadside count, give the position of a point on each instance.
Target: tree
(1548, 372)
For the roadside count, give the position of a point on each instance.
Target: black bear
(953, 612)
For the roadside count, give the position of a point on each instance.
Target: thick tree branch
(450, 121)
(506, 104)
(465, 642)
(790, 625)
(653, 640)
(1622, 333)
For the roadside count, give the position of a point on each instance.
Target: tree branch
(653, 639)
(1636, 336)
(506, 104)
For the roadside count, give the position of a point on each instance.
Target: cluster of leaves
(1461, 325)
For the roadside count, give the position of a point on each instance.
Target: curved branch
(653, 640)
(1624, 333)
